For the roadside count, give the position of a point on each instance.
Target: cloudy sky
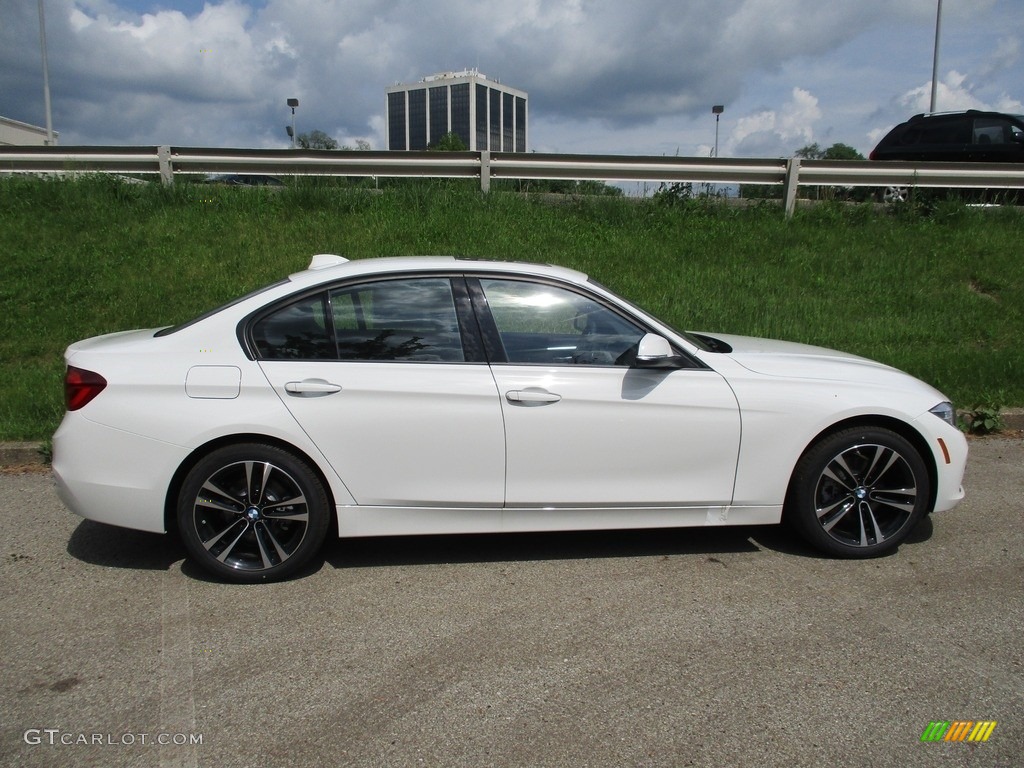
(603, 76)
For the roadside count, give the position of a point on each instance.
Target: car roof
(327, 267)
(960, 113)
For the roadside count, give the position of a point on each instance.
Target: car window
(298, 331)
(545, 324)
(993, 130)
(410, 319)
(946, 132)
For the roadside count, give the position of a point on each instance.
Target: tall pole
(293, 103)
(46, 76)
(717, 111)
(935, 61)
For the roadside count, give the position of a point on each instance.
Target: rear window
(175, 328)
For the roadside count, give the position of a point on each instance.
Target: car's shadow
(524, 547)
(112, 547)
(575, 545)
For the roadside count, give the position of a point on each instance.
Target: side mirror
(654, 351)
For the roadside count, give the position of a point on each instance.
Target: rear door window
(298, 331)
(412, 319)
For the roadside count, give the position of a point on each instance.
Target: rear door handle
(531, 396)
(311, 388)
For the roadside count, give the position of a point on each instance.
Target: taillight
(81, 386)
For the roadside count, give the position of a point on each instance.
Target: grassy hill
(938, 293)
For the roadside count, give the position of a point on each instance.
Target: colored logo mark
(959, 730)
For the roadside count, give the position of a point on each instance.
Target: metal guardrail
(168, 162)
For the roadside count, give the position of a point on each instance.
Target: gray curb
(30, 454)
(21, 454)
(1014, 418)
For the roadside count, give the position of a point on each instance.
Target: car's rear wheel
(895, 194)
(251, 513)
(858, 492)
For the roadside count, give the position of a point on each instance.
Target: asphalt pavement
(726, 647)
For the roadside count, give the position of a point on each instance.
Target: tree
(315, 140)
(450, 142)
(813, 151)
(835, 152)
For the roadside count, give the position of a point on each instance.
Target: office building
(485, 114)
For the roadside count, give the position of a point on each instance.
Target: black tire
(252, 513)
(858, 493)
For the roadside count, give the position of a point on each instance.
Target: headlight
(946, 412)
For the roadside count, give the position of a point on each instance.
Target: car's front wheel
(250, 513)
(858, 492)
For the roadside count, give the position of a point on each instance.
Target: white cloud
(636, 78)
(1009, 104)
(953, 93)
(771, 132)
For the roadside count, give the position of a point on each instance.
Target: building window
(520, 124)
(396, 120)
(495, 121)
(438, 113)
(481, 118)
(506, 122)
(460, 112)
(418, 119)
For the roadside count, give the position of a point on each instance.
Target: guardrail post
(485, 171)
(163, 158)
(789, 186)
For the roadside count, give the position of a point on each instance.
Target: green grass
(939, 294)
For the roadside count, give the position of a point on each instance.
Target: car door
(585, 429)
(393, 389)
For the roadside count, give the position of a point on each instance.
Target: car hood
(791, 360)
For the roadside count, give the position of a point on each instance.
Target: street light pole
(46, 76)
(935, 60)
(293, 103)
(717, 111)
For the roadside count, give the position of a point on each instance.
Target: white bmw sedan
(438, 395)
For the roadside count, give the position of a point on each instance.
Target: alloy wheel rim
(251, 515)
(865, 495)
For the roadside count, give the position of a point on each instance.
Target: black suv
(971, 136)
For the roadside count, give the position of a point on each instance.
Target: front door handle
(311, 388)
(531, 396)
